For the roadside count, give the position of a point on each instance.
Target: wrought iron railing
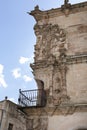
(29, 98)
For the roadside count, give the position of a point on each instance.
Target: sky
(17, 40)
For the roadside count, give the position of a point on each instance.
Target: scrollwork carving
(51, 46)
(51, 40)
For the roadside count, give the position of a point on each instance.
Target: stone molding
(71, 59)
(63, 109)
(40, 15)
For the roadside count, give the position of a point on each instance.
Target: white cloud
(27, 78)
(2, 80)
(16, 73)
(24, 60)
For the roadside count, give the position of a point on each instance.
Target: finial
(66, 7)
(6, 97)
(37, 7)
(66, 2)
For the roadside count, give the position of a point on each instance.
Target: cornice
(63, 109)
(40, 15)
(68, 60)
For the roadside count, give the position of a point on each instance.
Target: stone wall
(61, 51)
(70, 122)
(77, 83)
(11, 116)
(60, 62)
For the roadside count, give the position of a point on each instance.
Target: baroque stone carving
(56, 86)
(51, 47)
(59, 85)
(51, 40)
(66, 7)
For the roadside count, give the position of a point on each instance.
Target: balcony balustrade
(31, 98)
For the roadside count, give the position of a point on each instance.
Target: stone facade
(61, 52)
(60, 62)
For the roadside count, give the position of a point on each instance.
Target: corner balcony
(32, 98)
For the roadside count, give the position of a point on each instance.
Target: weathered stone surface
(10, 114)
(62, 42)
(76, 121)
(50, 41)
(61, 64)
(77, 82)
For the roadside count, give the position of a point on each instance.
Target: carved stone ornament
(51, 40)
(51, 47)
(66, 7)
(59, 85)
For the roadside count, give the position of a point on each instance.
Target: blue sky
(17, 41)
